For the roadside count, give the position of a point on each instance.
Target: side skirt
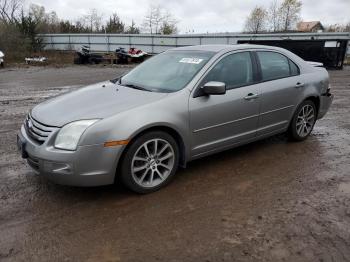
(217, 150)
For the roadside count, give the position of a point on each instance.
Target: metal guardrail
(158, 43)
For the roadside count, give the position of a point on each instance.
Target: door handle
(299, 85)
(251, 96)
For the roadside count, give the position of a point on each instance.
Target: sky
(197, 16)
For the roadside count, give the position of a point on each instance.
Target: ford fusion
(180, 105)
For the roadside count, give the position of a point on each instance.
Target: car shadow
(223, 173)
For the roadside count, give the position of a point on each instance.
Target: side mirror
(214, 88)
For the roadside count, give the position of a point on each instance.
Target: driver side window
(234, 70)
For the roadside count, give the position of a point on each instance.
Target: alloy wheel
(152, 163)
(305, 120)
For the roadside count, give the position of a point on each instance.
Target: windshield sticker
(191, 60)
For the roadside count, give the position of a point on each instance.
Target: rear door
(281, 87)
(219, 121)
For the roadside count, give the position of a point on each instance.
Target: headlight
(68, 137)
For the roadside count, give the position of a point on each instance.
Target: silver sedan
(183, 104)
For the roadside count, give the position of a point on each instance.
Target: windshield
(167, 72)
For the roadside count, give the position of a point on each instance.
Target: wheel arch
(314, 98)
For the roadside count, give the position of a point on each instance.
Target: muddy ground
(268, 201)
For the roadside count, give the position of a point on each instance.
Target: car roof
(219, 48)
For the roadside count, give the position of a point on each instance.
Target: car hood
(96, 101)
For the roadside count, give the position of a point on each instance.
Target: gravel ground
(271, 200)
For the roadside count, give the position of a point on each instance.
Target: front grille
(37, 131)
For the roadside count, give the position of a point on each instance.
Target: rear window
(274, 66)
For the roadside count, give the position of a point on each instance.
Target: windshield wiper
(136, 87)
(117, 80)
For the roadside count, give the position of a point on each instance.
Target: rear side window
(234, 70)
(274, 66)
(294, 70)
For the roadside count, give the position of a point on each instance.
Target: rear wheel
(150, 162)
(303, 121)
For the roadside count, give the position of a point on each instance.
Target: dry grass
(59, 57)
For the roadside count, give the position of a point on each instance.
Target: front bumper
(325, 103)
(91, 165)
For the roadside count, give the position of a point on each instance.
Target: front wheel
(303, 121)
(150, 162)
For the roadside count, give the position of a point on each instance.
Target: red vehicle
(137, 54)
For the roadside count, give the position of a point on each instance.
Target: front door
(220, 121)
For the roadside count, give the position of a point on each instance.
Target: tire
(303, 121)
(144, 171)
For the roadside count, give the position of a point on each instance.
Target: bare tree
(45, 22)
(37, 12)
(94, 20)
(53, 22)
(290, 13)
(148, 21)
(10, 11)
(169, 24)
(274, 17)
(256, 21)
(157, 19)
(338, 27)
